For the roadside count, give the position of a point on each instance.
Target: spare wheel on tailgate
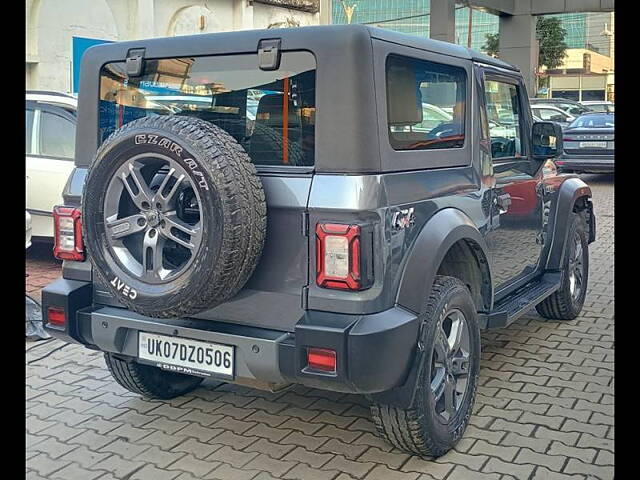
(174, 215)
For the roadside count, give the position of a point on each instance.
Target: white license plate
(593, 144)
(185, 355)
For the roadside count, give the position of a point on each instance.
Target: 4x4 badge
(403, 219)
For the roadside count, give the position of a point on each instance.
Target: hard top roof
(437, 46)
(336, 37)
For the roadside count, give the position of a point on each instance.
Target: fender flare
(569, 192)
(435, 239)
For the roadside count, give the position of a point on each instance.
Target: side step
(511, 308)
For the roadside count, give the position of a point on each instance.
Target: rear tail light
(343, 258)
(321, 359)
(67, 224)
(56, 317)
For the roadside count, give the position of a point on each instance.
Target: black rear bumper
(374, 352)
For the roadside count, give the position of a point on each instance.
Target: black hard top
(347, 126)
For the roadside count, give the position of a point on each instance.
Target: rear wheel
(148, 381)
(566, 302)
(447, 381)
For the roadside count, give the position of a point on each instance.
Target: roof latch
(269, 54)
(135, 62)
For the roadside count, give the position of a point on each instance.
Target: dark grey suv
(341, 207)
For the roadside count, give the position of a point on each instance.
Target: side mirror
(546, 140)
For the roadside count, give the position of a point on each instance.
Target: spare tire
(174, 215)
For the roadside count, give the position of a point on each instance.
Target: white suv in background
(50, 143)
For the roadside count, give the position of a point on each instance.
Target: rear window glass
(425, 104)
(270, 113)
(593, 120)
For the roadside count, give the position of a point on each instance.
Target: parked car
(600, 106)
(28, 228)
(571, 107)
(589, 144)
(50, 143)
(549, 113)
(387, 250)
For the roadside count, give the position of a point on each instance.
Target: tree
(553, 48)
(550, 34)
(492, 44)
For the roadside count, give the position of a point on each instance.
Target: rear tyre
(566, 302)
(148, 381)
(447, 379)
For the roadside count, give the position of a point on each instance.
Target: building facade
(52, 24)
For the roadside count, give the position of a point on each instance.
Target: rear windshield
(270, 113)
(593, 120)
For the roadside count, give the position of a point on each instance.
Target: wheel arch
(448, 244)
(573, 194)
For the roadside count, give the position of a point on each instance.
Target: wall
(50, 25)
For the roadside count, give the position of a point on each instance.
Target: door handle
(503, 201)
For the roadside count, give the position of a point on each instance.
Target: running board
(515, 305)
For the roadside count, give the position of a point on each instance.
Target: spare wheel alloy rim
(153, 218)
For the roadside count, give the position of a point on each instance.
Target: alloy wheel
(153, 218)
(450, 365)
(576, 269)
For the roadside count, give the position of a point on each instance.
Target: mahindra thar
(341, 207)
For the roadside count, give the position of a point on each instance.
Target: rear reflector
(67, 225)
(321, 359)
(56, 316)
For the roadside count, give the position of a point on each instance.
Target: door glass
(57, 136)
(28, 129)
(503, 114)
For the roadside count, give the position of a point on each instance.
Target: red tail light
(339, 259)
(67, 224)
(56, 317)
(321, 359)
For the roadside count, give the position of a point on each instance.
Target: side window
(503, 115)
(28, 130)
(550, 115)
(425, 104)
(57, 136)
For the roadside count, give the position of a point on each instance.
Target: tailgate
(272, 296)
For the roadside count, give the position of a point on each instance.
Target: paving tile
(544, 410)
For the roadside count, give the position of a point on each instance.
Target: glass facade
(584, 30)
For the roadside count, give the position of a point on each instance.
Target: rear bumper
(374, 352)
(591, 163)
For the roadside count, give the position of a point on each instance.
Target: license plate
(185, 355)
(593, 144)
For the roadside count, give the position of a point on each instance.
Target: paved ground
(544, 410)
